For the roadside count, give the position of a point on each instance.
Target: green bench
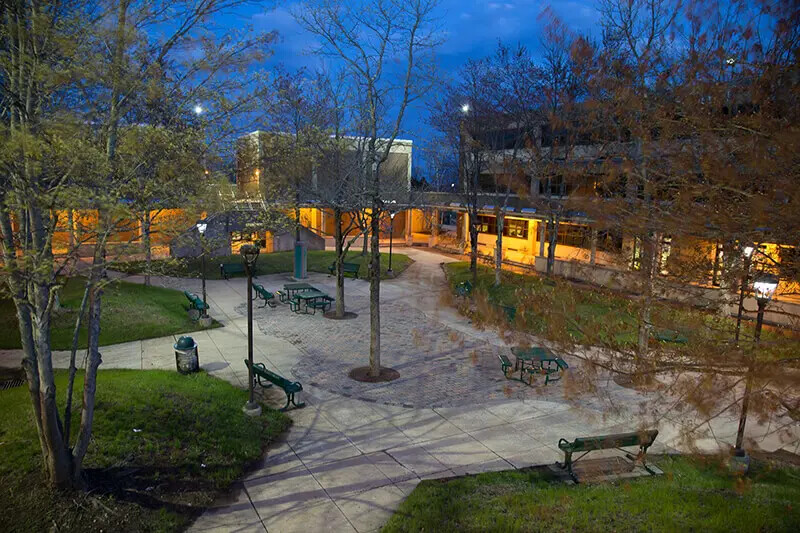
(291, 388)
(510, 312)
(670, 335)
(642, 439)
(196, 305)
(347, 268)
(505, 364)
(464, 289)
(264, 294)
(226, 269)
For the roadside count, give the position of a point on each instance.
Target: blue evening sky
(471, 28)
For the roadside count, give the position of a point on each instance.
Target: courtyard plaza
(358, 449)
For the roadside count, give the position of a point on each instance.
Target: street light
(250, 257)
(201, 228)
(391, 235)
(198, 109)
(764, 286)
(465, 108)
(747, 251)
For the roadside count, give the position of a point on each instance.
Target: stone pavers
(346, 464)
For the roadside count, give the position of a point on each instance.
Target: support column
(593, 252)
(541, 225)
(409, 221)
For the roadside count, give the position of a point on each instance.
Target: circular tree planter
(348, 315)
(361, 373)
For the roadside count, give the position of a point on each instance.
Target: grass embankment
(691, 496)
(191, 441)
(274, 263)
(130, 311)
(563, 311)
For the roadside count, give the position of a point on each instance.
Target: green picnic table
(292, 288)
(314, 298)
(538, 360)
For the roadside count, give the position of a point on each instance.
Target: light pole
(748, 257)
(391, 235)
(250, 257)
(764, 286)
(201, 228)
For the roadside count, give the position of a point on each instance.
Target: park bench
(464, 289)
(196, 305)
(505, 364)
(226, 269)
(670, 335)
(510, 312)
(260, 373)
(264, 294)
(294, 304)
(347, 268)
(642, 439)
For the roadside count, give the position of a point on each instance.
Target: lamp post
(201, 228)
(250, 257)
(391, 235)
(748, 257)
(764, 286)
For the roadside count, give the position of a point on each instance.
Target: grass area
(192, 441)
(274, 263)
(563, 311)
(691, 496)
(130, 311)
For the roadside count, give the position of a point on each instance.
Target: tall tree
(386, 49)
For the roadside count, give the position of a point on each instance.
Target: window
(448, 218)
(571, 235)
(512, 227)
(553, 186)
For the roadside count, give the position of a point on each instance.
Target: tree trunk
(337, 235)
(365, 236)
(473, 248)
(552, 243)
(498, 254)
(375, 295)
(148, 254)
(649, 267)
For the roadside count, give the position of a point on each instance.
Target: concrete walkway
(346, 464)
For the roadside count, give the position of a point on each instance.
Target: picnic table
(538, 360)
(292, 288)
(313, 298)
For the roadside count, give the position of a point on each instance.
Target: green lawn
(563, 311)
(130, 311)
(691, 496)
(191, 442)
(274, 263)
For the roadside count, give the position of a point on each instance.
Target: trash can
(186, 356)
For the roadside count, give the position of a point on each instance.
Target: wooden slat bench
(642, 439)
(196, 305)
(226, 269)
(260, 372)
(264, 294)
(347, 268)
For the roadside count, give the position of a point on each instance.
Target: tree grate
(10, 384)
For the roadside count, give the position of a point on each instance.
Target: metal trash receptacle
(187, 359)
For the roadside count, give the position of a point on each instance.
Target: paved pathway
(357, 450)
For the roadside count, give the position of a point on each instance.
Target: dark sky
(471, 28)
